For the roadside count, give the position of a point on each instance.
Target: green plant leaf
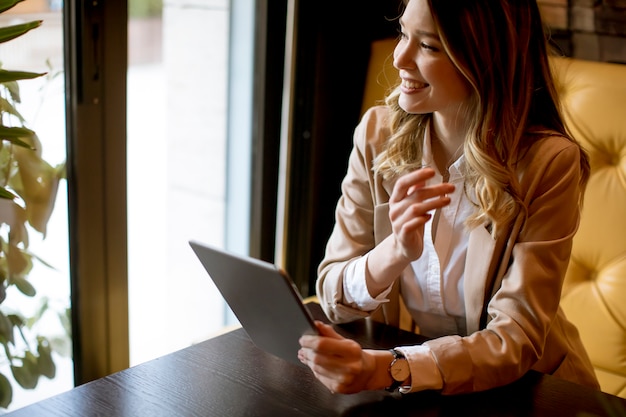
(6, 194)
(8, 76)
(17, 135)
(45, 364)
(8, 4)
(24, 286)
(38, 186)
(62, 345)
(16, 320)
(6, 391)
(6, 328)
(8, 33)
(13, 88)
(28, 186)
(42, 261)
(26, 375)
(66, 320)
(42, 308)
(7, 107)
(14, 216)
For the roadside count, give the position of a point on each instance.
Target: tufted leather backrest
(593, 95)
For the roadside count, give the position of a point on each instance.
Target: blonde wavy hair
(501, 49)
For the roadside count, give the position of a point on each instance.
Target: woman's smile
(409, 86)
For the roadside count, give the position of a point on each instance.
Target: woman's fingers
(340, 364)
(327, 330)
(412, 188)
(329, 342)
(411, 205)
(336, 371)
(404, 184)
(335, 360)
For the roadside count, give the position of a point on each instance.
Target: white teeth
(412, 84)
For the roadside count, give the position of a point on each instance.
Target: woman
(461, 200)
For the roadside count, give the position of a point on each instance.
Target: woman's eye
(429, 47)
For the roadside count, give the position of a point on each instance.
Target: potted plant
(28, 188)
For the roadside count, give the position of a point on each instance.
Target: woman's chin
(410, 107)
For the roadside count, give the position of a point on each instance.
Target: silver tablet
(262, 297)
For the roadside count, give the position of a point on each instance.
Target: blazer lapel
(485, 266)
(480, 265)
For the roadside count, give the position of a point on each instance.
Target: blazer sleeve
(353, 234)
(523, 311)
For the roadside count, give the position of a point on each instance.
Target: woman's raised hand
(410, 206)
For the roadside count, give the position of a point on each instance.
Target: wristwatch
(398, 369)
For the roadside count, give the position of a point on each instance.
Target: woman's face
(430, 82)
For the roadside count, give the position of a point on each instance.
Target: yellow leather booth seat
(594, 297)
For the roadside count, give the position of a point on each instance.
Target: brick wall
(588, 29)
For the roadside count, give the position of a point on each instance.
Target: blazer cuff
(425, 374)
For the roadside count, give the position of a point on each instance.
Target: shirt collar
(428, 161)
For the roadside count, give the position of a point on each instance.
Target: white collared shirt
(433, 293)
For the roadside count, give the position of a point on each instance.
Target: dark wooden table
(229, 376)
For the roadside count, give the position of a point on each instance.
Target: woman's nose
(402, 57)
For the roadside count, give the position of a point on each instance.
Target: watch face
(400, 370)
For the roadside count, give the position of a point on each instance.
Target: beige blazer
(512, 284)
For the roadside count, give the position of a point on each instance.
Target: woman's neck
(446, 143)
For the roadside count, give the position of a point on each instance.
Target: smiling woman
(477, 260)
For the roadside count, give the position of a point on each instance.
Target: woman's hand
(410, 205)
(341, 364)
